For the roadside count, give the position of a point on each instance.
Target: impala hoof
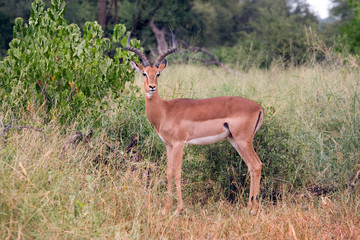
(178, 211)
(165, 211)
(254, 211)
(254, 208)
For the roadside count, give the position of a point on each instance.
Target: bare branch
(213, 60)
(10, 125)
(355, 181)
(108, 146)
(132, 144)
(78, 137)
(202, 50)
(7, 127)
(27, 127)
(74, 140)
(160, 36)
(167, 52)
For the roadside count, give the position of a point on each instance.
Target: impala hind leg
(247, 153)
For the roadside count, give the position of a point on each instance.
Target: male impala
(202, 121)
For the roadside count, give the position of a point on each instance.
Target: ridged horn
(142, 56)
(167, 52)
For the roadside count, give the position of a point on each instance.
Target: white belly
(209, 139)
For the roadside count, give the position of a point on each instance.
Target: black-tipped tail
(257, 122)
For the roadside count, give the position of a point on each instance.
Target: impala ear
(136, 66)
(163, 65)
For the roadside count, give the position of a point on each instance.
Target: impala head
(150, 72)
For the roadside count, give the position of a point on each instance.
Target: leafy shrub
(53, 64)
(351, 28)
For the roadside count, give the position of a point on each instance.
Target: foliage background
(232, 30)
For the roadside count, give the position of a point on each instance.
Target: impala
(179, 122)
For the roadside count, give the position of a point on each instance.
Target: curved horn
(142, 56)
(167, 52)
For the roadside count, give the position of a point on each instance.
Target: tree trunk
(160, 37)
(116, 11)
(102, 13)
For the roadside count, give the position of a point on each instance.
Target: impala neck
(154, 109)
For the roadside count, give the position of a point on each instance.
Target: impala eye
(144, 74)
(158, 75)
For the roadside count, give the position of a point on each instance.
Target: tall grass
(309, 142)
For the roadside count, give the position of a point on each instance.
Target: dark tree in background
(342, 10)
(5, 33)
(9, 10)
(151, 19)
(102, 13)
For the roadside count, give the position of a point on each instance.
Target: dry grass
(45, 196)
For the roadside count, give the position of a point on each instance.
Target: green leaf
(119, 31)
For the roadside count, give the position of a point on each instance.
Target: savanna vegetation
(79, 159)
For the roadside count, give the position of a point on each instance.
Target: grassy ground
(46, 193)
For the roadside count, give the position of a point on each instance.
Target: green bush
(53, 64)
(351, 29)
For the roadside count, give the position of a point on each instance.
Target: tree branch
(160, 36)
(27, 127)
(10, 125)
(213, 60)
(7, 127)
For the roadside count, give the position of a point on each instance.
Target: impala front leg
(178, 152)
(169, 176)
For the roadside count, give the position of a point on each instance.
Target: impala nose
(152, 88)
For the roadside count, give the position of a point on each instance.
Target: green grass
(310, 138)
